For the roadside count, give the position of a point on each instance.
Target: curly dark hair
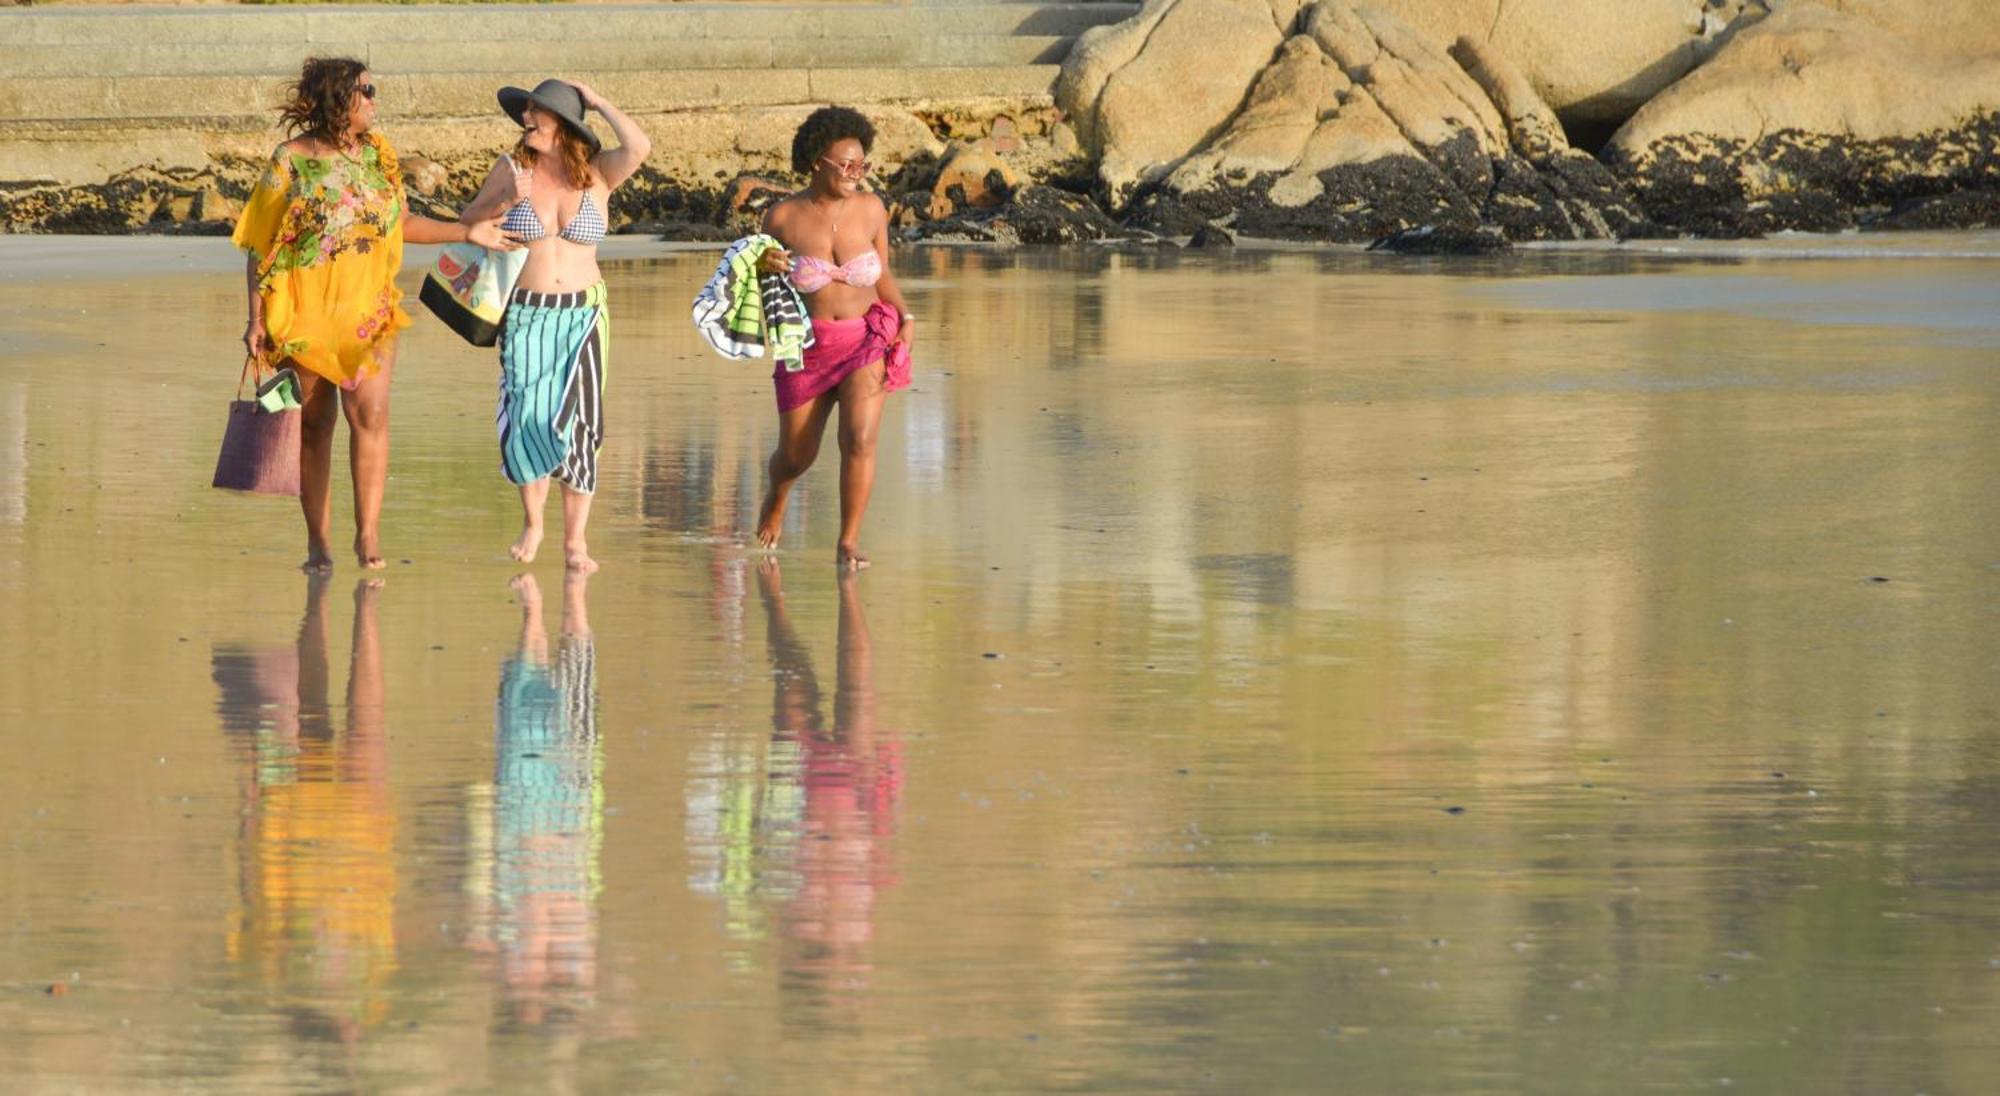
(822, 128)
(319, 99)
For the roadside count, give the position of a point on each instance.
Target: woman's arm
(775, 260)
(495, 195)
(485, 233)
(615, 165)
(253, 330)
(886, 287)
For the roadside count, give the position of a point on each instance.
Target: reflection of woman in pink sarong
(853, 778)
(836, 250)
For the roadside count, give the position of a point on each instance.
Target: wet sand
(1283, 670)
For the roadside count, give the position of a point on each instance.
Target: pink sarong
(840, 347)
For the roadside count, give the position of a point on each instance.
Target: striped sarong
(553, 353)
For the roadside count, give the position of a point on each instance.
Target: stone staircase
(87, 90)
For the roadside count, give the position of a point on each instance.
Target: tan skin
(556, 265)
(835, 220)
(366, 406)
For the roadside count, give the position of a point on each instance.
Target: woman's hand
(255, 339)
(774, 260)
(591, 100)
(903, 324)
(487, 234)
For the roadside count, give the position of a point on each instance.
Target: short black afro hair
(822, 128)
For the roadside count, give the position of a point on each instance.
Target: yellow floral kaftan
(328, 235)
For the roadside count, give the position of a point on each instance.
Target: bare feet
(368, 554)
(530, 542)
(319, 561)
(770, 517)
(578, 555)
(848, 557)
(525, 588)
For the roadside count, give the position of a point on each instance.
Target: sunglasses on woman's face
(367, 91)
(846, 167)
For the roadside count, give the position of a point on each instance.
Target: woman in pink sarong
(836, 250)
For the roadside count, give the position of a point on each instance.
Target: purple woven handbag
(260, 449)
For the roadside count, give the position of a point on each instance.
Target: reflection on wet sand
(851, 775)
(316, 895)
(538, 829)
(799, 827)
(1478, 686)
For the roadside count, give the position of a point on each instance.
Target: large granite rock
(1146, 92)
(1361, 127)
(1812, 119)
(1970, 27)
(1593, 62)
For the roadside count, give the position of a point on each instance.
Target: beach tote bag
(468, 288)
(260, 448)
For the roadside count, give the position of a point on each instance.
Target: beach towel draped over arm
(742, 314)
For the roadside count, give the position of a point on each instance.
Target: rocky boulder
(746, 197)
(1146, 92)
(1432, 240)
(1812, 119)
(423, 175)
(1034, 214)
(1361, 127)
(1594, 63)
(1191, 61)
(975, 176)
(146, 199)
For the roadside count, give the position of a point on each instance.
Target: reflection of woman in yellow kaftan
(316, 917)
(324, 229)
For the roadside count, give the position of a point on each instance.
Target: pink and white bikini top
(810, 273)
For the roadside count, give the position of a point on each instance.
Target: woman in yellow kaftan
(324, 229)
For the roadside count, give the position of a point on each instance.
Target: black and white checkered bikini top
(587, 227)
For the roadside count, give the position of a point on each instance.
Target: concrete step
(39, 101)
(389, 58)
(322, 28)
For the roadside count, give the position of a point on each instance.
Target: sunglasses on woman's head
(367, 90)
(846, 167)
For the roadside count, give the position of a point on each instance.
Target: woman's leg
(365, 760)
(533, 497)
(318, 415)
(367, 407)
(576, 516)
(861, 398)
(799, 433)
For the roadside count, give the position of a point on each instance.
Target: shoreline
(37, 258)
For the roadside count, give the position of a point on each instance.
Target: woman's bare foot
(368, 554)
(771, 517)
(527, 545)
(578, 555)
(319, 561)
(525, 588)
(848, 557)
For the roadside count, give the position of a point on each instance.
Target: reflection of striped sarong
(552, 359)
(548, 775)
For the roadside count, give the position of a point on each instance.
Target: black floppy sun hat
(556, 97)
